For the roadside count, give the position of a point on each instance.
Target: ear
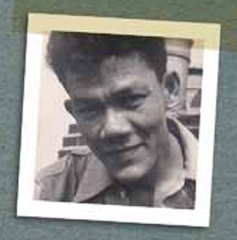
(68, 106)
(171, 85)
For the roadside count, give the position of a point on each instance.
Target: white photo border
(40, 23)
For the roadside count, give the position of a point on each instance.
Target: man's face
(119, 108)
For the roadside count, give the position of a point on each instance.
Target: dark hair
(70, 51)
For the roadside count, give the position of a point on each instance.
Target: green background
(13, 18)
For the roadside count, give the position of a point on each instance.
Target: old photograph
(118, 120)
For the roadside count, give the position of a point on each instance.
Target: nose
(116, 126)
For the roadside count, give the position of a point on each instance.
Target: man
(118, 97)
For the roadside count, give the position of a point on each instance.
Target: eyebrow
(128, 84)
(128, 89)
(114, 92)
(86, 101)
(86, 96)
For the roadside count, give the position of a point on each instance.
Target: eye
(133, 101)
(88, 112)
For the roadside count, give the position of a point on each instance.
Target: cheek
(152, 113)
(150, 121)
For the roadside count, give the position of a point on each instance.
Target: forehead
(113, 74)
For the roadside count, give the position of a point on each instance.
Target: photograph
(118, 120)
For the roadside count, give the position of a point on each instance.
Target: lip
(122, 150)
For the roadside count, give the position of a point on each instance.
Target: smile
(123, 150)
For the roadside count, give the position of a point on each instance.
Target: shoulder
(61, 166)
(185, 197)
(188, 144)
(58, 181)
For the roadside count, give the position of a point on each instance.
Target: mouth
(122, 150)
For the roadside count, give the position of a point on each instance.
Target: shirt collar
(96, 178)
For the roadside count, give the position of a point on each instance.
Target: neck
(165, 176)
(170, 167)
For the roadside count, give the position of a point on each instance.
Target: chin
(131, 175)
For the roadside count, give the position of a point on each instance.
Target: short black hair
(72, 50)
